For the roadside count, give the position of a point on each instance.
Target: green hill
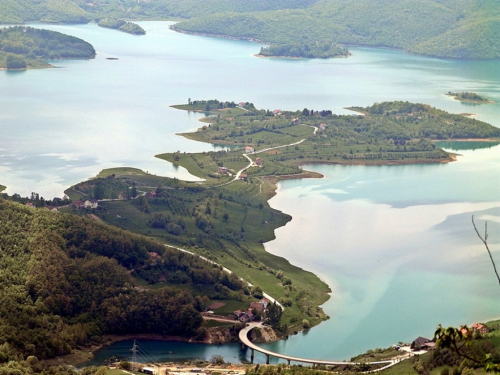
(51, 11)
(65, 281)
(457, 29)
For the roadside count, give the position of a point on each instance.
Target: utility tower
(134, 356)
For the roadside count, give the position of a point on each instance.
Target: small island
(469, 97)
(314, 50)
(24, 47)
(117, 24)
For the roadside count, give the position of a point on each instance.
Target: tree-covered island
(468, 97)
(24, 47)
(121, 25)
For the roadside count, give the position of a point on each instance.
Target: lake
(395, 243)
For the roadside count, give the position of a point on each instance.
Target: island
(24, 47)
(469, 97)
(117, 24)
(322, 50)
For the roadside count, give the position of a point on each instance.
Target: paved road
(243, 335)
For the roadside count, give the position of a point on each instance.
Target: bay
(395, 243)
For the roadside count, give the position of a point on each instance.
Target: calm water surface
(394, 243)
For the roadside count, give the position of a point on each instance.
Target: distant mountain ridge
(442, 28)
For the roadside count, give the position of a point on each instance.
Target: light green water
(395, 243)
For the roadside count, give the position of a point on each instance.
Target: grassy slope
(245, 256)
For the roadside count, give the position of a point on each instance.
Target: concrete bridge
(243, 335)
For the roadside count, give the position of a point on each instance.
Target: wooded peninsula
(26, 47)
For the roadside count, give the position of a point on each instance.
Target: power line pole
(134, 356)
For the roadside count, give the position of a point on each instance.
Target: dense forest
(22, 47)
(442, 28)
(66, 281)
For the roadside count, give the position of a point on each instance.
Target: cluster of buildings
(421, 343)
(87, 204)
(255, 309)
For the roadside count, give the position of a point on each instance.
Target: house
(259, 161)
(481, 328)
(295, 121)
(264, 302)
(242, 104)
(238, 314)
(249, 150)
(322, 126)
(257, 306)
(243, 177)
(222, 170)
(79, 204)
(278, 112)
(51, 208)
(246, 317)
(29, 204)
(419, 343)
(152, 194)
(91, 203)
(154, 255)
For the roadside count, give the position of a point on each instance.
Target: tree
(459, 340)
(133, 191)
(15, 62)
(273, 314)
(225, 217)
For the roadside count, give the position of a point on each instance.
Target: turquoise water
(395, 243)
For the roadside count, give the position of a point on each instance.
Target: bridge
(243, 335)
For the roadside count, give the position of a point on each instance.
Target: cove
(395, 243)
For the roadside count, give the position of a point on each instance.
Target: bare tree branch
(485, 242)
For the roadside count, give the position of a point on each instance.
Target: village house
(322, 127)
(152, 194)
(222, 170)
(249, 150)
(278, 112)
(295, 121)
(257, 306)
(91, 203)
(78, 204)
(259, 161)
(421, 343)
(481, 328)
(243, 177)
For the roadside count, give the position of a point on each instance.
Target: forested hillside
(19, 11)
(457, 29)
(65, 281)
(82, 11)
(442, 28)
(22, 47)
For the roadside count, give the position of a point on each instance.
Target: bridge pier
(288, 362)
(267, 359)
(251, 356)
